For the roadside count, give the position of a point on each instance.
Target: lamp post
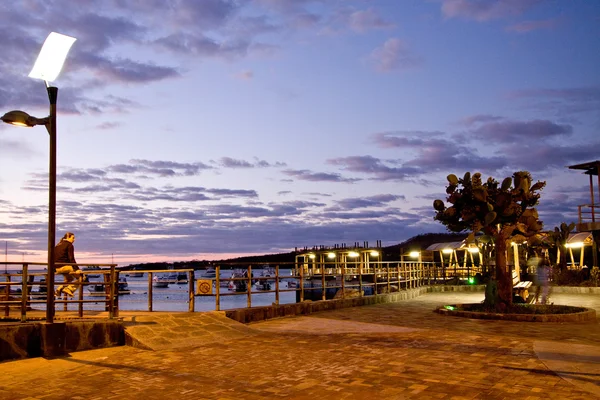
(47, 67)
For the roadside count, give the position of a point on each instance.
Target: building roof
(446, 245)
(585, 237)
(590, 168)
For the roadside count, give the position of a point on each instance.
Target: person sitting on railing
(64, 252)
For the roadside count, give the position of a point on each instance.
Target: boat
(99, 289)
(160, 281)
(182, 277)
(262, 285)
(231, 284)
(89, 271)
(210, 273)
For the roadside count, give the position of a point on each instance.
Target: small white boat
(236, 274)
(160, 282)
(210, 273)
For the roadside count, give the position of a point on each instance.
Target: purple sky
(208, 129)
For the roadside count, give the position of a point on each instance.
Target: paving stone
(387, 351)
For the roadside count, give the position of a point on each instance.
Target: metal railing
(24, 297)
(588, 213)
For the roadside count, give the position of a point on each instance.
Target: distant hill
(389, 253)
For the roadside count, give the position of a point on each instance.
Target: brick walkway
(388, 351)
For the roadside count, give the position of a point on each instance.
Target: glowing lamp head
(414, 254)
(447, 251)
(574, 245)
(21, 118)
(374, 253)
(311, 256)
(353, 254)
(331, 255)
(52, 57)
(473, 250)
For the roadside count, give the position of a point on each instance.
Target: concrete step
(163, 331)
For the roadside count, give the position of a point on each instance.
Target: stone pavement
(387, 351)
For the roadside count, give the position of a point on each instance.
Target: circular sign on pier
(204, 286)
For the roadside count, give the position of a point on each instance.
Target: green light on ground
(471, 280)
(451, 308)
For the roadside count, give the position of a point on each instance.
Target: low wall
(574, 290)
(40, 339)
(254, 314)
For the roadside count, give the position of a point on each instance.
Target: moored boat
(160, 281)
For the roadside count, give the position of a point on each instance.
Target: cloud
(375, 167)
(344, 19)
(364, 20)
(491, 145)
(485, 10)
(563, 102)
(515, 131)
(394, 55)
(159, 168)
(370, 201)
(529, 26)
(306, 175)
(123, 70)
(476, 119)
(228, 162)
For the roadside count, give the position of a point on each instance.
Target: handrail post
(387, 269)
(80, 295)
(218, 290)
(117, 274)
(302, 284)
(249, 302)
(7, 291)
(191, 293)
(277, 284)
(323, 281)
(360, 285)
(111, 293)
(342, 271)
(149, 291)
(24, 293)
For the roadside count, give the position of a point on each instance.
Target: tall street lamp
(47, 67)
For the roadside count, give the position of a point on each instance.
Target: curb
(589, 315)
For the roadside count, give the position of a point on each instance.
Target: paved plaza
(388, 351)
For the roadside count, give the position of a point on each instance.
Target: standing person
(64, 252)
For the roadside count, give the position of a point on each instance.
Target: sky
(213, 129)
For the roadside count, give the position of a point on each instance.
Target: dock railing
(316, 281)
(23, 297)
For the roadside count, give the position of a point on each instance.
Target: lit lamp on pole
(47, 67)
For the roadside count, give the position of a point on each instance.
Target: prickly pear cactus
(498, 210)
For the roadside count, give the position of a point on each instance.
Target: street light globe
(52, 57)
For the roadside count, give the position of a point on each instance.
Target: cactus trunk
(503, 276)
